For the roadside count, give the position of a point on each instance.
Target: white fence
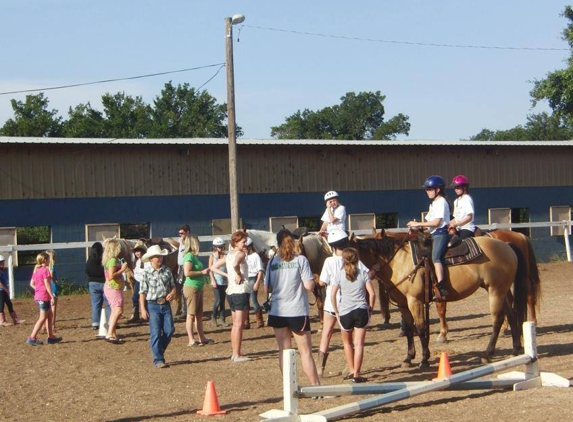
(10, 249)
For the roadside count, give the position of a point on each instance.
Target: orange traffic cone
(211, 402)
(444, 370)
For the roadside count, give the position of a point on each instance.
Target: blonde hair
(351, 258)
(41, 259)
(52, 254)
(111, 249)
(192, 245)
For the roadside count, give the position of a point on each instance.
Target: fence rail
(10, 249)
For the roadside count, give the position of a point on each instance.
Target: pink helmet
(460, 180)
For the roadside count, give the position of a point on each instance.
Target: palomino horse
(527, 265)
(495, 270)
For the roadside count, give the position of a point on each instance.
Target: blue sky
(449, 93)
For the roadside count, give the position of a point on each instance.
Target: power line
(149, 75)
(422, 44)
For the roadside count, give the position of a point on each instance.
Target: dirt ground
(86, 379)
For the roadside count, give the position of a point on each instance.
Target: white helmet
(330, 194)
(335, 235)
(249, 241)
(1, 258)
(218, 241)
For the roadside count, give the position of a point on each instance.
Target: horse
(526, 264)
(495, 271)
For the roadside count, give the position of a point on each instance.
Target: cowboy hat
(154, 250)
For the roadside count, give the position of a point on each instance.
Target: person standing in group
(44, 297)
(195, 277)
(464, 214)
(96, 278)
(256, 271)
(334, 215)
(138, 251)
(5, 299)
(157, 289)
(437, 220)
(338, 240)
(237, 290)
(114, 267)
(184, 232)
(354, 309)
(219, 283)
(287, 280)
(55, 287)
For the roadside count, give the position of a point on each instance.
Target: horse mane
(381, 247)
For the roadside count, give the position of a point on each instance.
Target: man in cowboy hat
(156, 291)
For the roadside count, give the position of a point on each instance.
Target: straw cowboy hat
(154, 250)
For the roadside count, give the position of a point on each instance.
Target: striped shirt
(156, 283)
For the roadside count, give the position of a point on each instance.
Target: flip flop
(114, 340)
(348, 377)
(359, 380)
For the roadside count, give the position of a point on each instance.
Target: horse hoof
(406, 365)
(423, 365)
(441, 340)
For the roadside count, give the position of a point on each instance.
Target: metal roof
(316, 142)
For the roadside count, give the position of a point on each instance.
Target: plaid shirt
(156, 283)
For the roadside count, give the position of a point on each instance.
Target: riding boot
(443, 291)
(16, 319)
(3, 322)
(322, 358)
(259, 317)
(222, 322)
(247, 325)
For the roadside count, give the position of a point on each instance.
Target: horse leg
(441, 308)
(496, 305)
(384, 303)
(513, 323)
(409, 330)
(417, 310)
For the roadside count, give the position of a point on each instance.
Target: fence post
(11, 273)
(566, 239)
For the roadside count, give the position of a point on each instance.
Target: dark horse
(495, 271)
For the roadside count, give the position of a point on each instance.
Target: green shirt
(197, 281)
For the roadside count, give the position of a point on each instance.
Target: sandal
(359, 380)
(348, 377)
(207, 341)
(114, 340)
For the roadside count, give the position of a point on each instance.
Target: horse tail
(520, 288)
(534, 280)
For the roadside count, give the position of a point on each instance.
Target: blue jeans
(255, 301)
(98, 298)
(135, 299)
(439, 246)
(219, 294)
(161, 329)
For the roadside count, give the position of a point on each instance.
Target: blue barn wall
(67, 217)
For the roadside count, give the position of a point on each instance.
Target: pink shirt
(40, 292)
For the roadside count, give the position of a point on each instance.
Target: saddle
(300, 232)
(465, 251)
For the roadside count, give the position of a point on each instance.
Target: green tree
(557, 87)
(183, 112)
(83, 122)
(357, 117)
(32, 118)
(539, 127)
(125, 116)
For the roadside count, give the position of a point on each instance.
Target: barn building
(77, 189)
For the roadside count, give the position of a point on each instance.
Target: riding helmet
(330, 195)
(460, 180)
(218, 241)
(434, 182)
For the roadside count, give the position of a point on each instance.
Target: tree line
(183, 112)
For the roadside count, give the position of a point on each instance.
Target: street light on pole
(233, 186)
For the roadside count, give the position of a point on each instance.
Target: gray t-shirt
(286, 282)
(353, 293)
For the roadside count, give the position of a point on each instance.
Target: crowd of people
(236, 276)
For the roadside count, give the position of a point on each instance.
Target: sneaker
(160, 364)
(239, 359)
(33, 341)
(54, 340)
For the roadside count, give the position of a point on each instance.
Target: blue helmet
(435, 182)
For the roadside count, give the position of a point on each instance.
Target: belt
(159, 301)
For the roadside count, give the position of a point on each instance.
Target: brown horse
(527, 267)
(495, 270)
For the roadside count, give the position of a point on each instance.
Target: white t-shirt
(255, 264)
(332, 265)
(439, 208)
(286, 282)
(232, 287)
(340, 214)
(463, 206)
(353, 293)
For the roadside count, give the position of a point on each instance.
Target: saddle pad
(467, 251)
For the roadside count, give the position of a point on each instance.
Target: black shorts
(297, 323)
(239, 301)
(357, 318)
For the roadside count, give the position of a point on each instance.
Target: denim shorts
(44, 305)
(440, 243)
